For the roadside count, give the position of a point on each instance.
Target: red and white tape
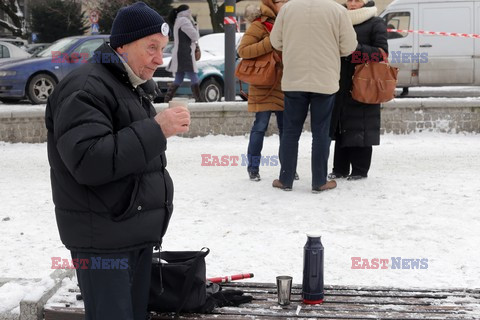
(229, 20)
(437, 33)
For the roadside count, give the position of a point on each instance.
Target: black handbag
(180, 284)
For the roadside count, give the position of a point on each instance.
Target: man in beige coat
(313, 35)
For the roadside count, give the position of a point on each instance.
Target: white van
(434, 60)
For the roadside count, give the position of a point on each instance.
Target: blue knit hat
(134, 22)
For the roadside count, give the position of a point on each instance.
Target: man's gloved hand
(222, 298)
(231, 298)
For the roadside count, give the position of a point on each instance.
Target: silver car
(10, 52)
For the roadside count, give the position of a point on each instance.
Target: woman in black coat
(355, 126)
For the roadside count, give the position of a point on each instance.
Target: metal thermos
(312, 287)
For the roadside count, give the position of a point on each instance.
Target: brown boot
(331, 184)
(278, 184)
(170, 92)
(196, 92)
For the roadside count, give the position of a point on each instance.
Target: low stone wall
(228, 118)
(452, 115)
(23, 124)
(400, 116)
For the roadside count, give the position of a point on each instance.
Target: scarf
(361, 15)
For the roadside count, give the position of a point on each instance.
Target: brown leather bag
(374, 82)
(264, 70)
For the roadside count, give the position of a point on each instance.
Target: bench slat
(341, 302)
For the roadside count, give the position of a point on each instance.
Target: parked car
(211, 68)
(35, 78)
(9, 52)
(167, 51)
(15, 41)
(34, 48)
(434, 60)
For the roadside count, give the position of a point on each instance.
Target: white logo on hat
(165, 29)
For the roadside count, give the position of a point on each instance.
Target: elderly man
(106, 148)
(312, 35)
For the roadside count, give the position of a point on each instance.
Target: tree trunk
(12, 10)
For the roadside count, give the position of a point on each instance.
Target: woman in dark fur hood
(355, 126)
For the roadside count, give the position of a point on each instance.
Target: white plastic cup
(178, 102)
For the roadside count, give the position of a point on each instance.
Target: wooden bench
(341, 302)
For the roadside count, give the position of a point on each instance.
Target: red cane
(231, 278)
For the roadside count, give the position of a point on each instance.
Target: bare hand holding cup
(174, 120)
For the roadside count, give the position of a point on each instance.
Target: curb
(32, 308)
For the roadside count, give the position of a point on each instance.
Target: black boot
(196, 92)
(404, 92)
(170, 92)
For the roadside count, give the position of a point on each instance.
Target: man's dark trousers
(115, 285)
(297, 104)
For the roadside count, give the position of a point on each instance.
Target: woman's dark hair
(172, 16)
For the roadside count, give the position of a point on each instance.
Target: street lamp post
(230, 26)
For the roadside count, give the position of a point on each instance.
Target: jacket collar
(267, 13)
(106, 56)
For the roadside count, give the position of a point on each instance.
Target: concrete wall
(400, 116)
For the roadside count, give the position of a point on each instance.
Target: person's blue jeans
(297, 104)
(179, 76)
(257, 134)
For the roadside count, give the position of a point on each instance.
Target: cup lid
(313, 234)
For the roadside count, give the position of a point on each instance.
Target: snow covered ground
(421, 201)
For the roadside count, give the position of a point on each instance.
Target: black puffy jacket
(358, 123)
(107, 156)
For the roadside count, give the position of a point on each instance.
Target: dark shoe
(334, 175)
(170, 92)
(254, 176)
(296, 176)
(332, 184)
(356, 177)
(196, 92)
(278, 184)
